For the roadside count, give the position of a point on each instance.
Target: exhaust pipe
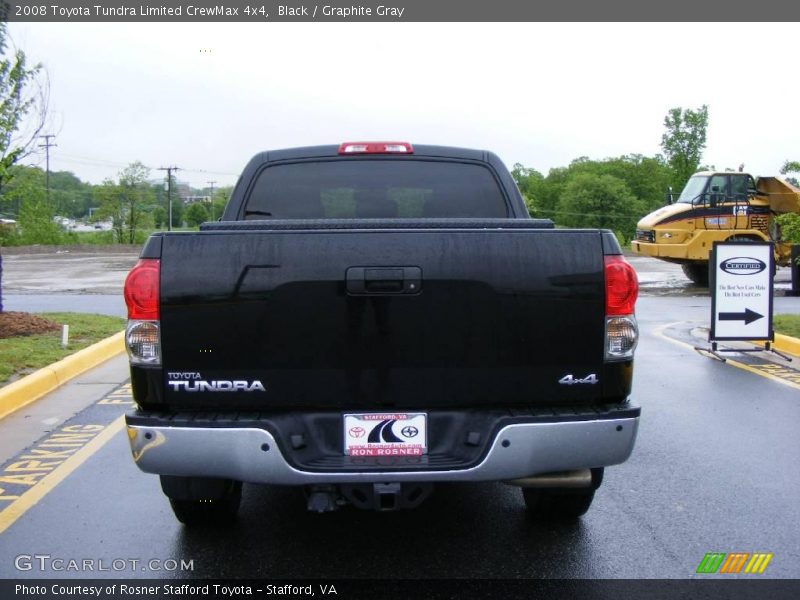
(563, 479)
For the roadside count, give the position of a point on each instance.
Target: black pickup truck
(368, 319)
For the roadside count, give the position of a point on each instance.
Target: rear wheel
(557, 504)
(561, 503)
(200, 502)
(697, 273)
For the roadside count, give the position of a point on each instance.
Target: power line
(108, 163)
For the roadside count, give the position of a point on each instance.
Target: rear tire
(561, 503)
(209, 510)
(557, 504)
(697, 273)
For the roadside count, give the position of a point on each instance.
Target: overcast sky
(206, 97)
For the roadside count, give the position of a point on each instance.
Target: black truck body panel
(498, 318)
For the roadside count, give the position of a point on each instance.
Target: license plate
(385, 434)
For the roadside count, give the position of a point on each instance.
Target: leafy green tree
(530, 183)
(219, 205)
(71, 197)
(791, 166)
(550, 193)
(219, 200)
(645, 177)
(683, 141)
(23, 110)
(602, 201)
(36, 224)
(19, 177)
(196, 213)
(159, 217)
(790, 227)
(178, 210)
(23, 106)
(126, 202)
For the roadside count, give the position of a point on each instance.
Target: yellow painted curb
(786, 343)
(29, 389)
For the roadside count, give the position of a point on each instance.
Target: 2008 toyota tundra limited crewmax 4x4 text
(368, 319)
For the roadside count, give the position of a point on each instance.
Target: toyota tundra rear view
(369, 319)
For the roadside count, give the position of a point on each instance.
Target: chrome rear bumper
(252, 455)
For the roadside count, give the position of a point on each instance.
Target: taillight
(622, 286)
(143, 333)
(143, 341)
(622, 289)
(141, 290)
(376, 148)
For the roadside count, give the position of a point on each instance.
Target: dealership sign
(741, 284)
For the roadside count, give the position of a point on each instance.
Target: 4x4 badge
(570, 379)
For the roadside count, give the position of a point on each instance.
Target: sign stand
(715, 351)
(741, 298)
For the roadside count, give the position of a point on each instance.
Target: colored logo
(383, 433)
(734, 562)
(742, 265)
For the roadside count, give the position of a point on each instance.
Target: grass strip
(22, 355)
(787, 325)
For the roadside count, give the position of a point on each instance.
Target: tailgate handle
(382, 281)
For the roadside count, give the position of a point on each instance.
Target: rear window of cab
(375, 189)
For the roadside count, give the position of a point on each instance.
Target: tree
(791, 166)
(218, 205)
(126, 202)
(196, 213)
(683, 142)
(23, 106)
(529, 182)
(219, 200)
(36, 217)
(22, 95)
(159, 217)
(603, 202)
(71, 196)
(646, 179)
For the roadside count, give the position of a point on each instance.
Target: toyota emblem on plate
(357, 432)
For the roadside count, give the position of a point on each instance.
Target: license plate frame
(379, 434)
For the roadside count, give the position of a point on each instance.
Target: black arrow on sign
(748, 316)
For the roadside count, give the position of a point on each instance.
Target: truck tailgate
(355, 318)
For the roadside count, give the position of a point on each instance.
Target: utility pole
(47, 145)
(211, 184)
(169, 171)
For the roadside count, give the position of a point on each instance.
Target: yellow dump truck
(715, 207)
